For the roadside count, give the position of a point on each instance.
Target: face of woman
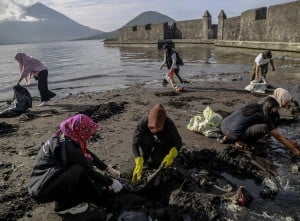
(155, 129)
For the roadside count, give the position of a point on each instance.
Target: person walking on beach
(64, 170)
(29, 67)
(155, 142)
(253, 121)
(171, 61)
(260, 68)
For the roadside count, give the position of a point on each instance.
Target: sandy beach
(22, 136)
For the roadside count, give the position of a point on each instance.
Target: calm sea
(87, 66)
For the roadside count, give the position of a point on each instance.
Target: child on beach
(29, 67)
(64, 170)
(253, 121)
(156, 141)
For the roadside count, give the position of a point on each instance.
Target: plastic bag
(206, 123)
(257, 86)
(22, 100)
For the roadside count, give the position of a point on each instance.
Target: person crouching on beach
(29, 67)
(64, 170)
(156, 142)
(253, 121)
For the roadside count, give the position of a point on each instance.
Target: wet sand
(19, 145)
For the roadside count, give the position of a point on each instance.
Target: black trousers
(176, 71)
(250, 135)
(45, 93)
(76, 187)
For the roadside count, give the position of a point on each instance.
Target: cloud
(108, 15)
(13, 10)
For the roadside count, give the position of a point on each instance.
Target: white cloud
(13, 10)
(109, 15)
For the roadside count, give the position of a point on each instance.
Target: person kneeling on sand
(253, 121)
(64, 170)
(156, 142)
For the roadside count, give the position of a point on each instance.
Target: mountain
(51, 26)
(149, 17)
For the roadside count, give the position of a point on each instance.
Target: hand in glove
(113, 172)
(116, 186)
(169, 158)
(137, 172)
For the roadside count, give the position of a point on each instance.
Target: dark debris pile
(104, 111)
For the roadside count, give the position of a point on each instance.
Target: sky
(109, 15)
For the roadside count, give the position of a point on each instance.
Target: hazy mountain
(149, 17)
(52, 26)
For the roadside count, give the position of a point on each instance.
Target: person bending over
(255, 120)
(31, 67)
(261, 64)
(156, 141)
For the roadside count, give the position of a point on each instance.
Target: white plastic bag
(206, 123)
(257, 86)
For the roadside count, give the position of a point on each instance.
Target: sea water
(87, 66)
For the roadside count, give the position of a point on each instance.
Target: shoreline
(224, 95)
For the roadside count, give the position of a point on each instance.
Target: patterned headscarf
(79, 128)
(282, 96)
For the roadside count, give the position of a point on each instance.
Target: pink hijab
(79, 128)
(28, 66)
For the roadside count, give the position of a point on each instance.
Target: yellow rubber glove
(169, 158)
(137, 172)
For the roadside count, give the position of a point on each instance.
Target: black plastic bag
(22, 100)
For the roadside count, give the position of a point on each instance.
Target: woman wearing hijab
(251, 122)
(29, 67)
(64, 169)
(156, 141)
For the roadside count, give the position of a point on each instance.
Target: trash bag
(206, 123)
(257, 86)
(22, 100)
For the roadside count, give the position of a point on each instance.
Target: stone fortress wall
(277, 24)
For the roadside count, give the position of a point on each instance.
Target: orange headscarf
(157, 117)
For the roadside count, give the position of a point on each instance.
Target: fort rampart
(276, 27)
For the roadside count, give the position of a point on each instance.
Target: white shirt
(259, 60)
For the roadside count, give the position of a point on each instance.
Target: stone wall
(278, 23)
(284, 22)
(143, 32)
(232, 28)
(185, 28)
